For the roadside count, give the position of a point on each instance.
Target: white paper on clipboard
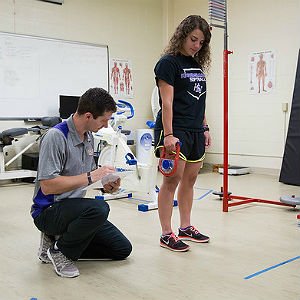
(98, 184)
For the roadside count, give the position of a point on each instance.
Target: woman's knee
(171, 183)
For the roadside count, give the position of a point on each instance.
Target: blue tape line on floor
(201, 197)
(141, 200)
(204, 195)
(270, 268)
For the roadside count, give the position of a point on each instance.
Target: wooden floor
(255, 240)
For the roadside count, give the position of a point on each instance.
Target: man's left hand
(112, 184)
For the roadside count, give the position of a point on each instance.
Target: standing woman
(180, 78)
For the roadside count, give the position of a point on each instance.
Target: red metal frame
(225, 126)
(224, 190)
(226, 197)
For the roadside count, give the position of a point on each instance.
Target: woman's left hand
(207, 139)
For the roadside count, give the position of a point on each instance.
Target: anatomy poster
(262, 72)
(121, 79)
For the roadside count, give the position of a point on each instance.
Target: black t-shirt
(189, 82)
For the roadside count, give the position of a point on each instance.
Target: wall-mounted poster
(121, 79)
(262, 72)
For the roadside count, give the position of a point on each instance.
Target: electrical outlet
(285, 106)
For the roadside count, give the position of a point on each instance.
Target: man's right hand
(99, 173)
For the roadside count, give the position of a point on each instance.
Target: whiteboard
(34, 71)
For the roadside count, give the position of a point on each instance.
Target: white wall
(139, 29)
(256, 122)
(132, 29)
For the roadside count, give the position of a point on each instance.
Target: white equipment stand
(6, 138)
(292, 200)
(236, 170)
(112, 148)
(10, 135)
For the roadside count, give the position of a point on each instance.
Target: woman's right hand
(170, 143)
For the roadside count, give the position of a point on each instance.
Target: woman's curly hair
(189, 24)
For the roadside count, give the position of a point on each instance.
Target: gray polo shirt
(62, 153)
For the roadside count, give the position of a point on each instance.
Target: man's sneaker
(192, 234)
(171, 242)
(63, 266)
(45, 243)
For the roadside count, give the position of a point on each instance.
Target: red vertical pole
(225, 126)
(225, 132)
(215, 7)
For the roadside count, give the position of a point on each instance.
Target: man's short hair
(97, 101)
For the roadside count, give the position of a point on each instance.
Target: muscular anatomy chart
(261, 72)
(121, 79)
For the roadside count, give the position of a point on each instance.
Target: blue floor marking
(270, 268)
(201, 197)
(204, 195)
(138, 199)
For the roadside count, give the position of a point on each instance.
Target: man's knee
(124, 252)
(99, 209)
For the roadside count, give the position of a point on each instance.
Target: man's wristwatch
(205, 128)
(89, 177)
